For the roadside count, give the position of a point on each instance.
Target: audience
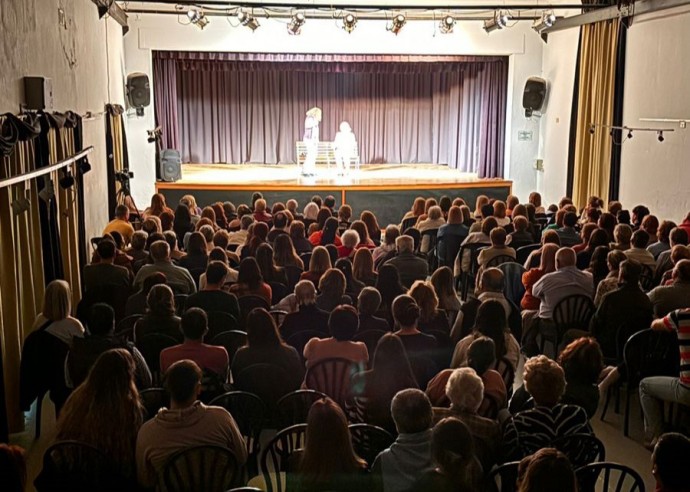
(121, 224)
(250, 282)
(667, 298)
(306, 316)
(179, 276)
(669, 463)
(582, 363)
(212, 297)
(567, 234)
(410, 266)
(332, 287)
(319, 263)
(430, 317)
(420, 347)
(662, 238)
(498, 248)
(342, 324)
(368, 304)
(363, 267)
(547, 264)
(639, 253)
(55, 317)
(443, 284)
(160, 315)
(547, 470)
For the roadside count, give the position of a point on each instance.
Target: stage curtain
(238, 108)
(596, 89)
(21, 269)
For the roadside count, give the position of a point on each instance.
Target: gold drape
(116, 124)
(596, 88)
(21, 272)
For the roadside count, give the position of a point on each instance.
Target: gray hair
(350, 238)
(404, 243)
(465, 389)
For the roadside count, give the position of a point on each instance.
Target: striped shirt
(679, 321)
(531, 430)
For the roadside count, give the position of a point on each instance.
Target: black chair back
(278, 316)
(294, 407)
(424, 369)
(608, 477)
(300, 339)
(267, 381)
(369, 440)
(232, 340)
(276, 454)
(407, 223)
(151, 345)
(503, 478)
(523, 252)
(196, 274)
(431, 236)
(220, 322)
(449, 245)
(306, 258)
(332, 377)
(293, 274)
(651, 353)
(499, 260)
(207, 468)
(247, 303)
(467, 277)
(581, 449)
(278, 292)
(647, 281)
(114, 295)
(180, 302)
(125, 328)
(573, 312)
(370, 338)
(153, 399)
(507, 372)
(444, 347)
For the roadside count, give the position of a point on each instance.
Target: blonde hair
(191, 201)
(320, 260)
(425, 296)
(544, 380)
(363, 264)
(547, 262)
(315, 112)
(57, 301)
(435, 213)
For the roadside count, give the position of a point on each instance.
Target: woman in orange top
(547, 264)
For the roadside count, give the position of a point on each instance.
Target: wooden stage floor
(387, 188)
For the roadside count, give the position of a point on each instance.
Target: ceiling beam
(615, 12)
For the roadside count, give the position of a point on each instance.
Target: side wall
(520, 43)
(83, 57)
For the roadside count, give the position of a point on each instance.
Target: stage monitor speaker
(138, 90)
(170, 165)
(534, 95)
(38, 93)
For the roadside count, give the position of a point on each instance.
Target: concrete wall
(69, 48)
(520, 43)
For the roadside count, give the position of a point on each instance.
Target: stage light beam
(397, 24)
(349, 23)
(447, 24)
(248, 20)
(296, 23)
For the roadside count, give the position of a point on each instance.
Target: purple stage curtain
(240, 107)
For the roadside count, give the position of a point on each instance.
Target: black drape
(619, 83)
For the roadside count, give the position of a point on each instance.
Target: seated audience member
(373, 228)
(663, 261)
(456, 467)
(55, 317)
(610, 283)
(344, 216)
(250, 281)
(352, 285)
(549, 237)
(212, 297)
(121, 224)
(547, 470)
(599, 237)
(368, 303)
(332, 287)
(498, 248)
(454, 228)
(264, 346)
(327, 461)
(416, 211)
(209, 358)
(582, 363)
(598, 265)
(553, 287)
(638, 252)
(306, 316)
(328, 234)
(650, 224)
(444, 286)
(105, 411)
(627, 307)
(486, 212)
(260, 213)
(585, 234)
(434, 220)
(622, 235)
(136, 303)
(342, 324)
(160, 252)
(376, 387)
(182, 223)
(529, 278)
(151, 225)
(329, 203)
(99, 339)
(430, 318)
(219, 254)
(685, 225)
(667, 298)
(520, 236)
(120, 258)
(663, 242)
(160, 315)
(389, 286)
(158, 206)
(669, 462)
(13, 467)
(137, 249)
(319, 263)
(490, 288)
(187, 423)
(465, 391)
(350, 240)
(291, 206)
(410, 266)
(397, 468)
(105, 273)
(535, 200)
(284, 253)
(391, 233)
(533, 429)
(364, 240)
(280, 222)
(500, 213)
(462, 264)
(491, 322)
(175, 254)
(363, 267)
(240, 237)
(269, 270)
(678, 253)
(418, 345)
(167, 219)
(654, 391)
(568, 235)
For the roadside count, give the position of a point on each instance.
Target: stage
(388, 189)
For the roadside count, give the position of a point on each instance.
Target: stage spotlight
(67, 179)
(296, 23)
(447, 24)
(498, 21)
(349, 23)
(660, 136)
(630, 135)
(398, 22)
(247, 20)
(84, 166)
(548, 19)
(197, 18)
(48, 191)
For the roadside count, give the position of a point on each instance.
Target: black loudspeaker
(138, 90)
(534, 95)
(170, 165)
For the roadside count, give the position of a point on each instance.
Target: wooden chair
(523, 252)
(301, 338)
(571, 312)
(370, 338)
(276, 454)
(232, 340)
(369, 440)
(581, 449)
(208, 468)
(332, 377)
(220, 322)
(503, 478)
(247, 303)
(293, 408)
(125, 328)
(608, 477)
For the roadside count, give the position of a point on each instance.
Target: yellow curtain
(116, 125)
(21, 272)
(596, 87)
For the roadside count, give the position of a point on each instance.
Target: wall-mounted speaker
(38, 93)
(138, 90)
(534, 95)
(170, 165)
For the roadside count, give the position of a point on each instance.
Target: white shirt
(64, 329)
(641, 256)
(555, 286)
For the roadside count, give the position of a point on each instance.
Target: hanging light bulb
(498, 21)
(349, 22)
(447, 24)
(296, 23)
(247, 20)
(398, 22)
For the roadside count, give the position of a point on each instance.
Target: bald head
(492, 280)
(565, 257)
(681, 271)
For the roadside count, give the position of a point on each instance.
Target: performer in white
(344, 145)
(311, 140)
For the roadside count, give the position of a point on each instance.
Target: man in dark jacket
(410, 266)
(308, 317)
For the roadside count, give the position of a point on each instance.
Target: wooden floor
(287, 177)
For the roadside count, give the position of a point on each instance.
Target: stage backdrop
(242, 107)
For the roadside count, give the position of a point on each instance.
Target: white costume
(311, 140)
(344, 145)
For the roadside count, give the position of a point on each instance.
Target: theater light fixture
(498, 21)
(349, 22)
(198, 18)
(398, 22)
(84, 166)
(48, 192)
(660, 136)
(67, 179)
(296, 23)
(447, 24)
(548, 19)
(247, 20)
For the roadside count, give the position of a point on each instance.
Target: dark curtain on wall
(238, 108)
(619, 86)
(116, 148)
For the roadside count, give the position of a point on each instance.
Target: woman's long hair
(264, 258)
(158, 205)
(327, 454)
(372, 224)
(362, 230)
(491, 322)
(388, 284)
(443, 283)
(105, 410)
(453, 452)
(197, 245)
(221, 219)
(391, 371)
(582, 361)
(284, 253)
(182, 223)
(160, 301)
(262, 332)
(322, 216)
(257, 237)
(425, 296)
(363, 265)
(249, 274)
(547, 261)
(330, 229)
(320, 261)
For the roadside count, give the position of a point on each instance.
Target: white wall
(73, 55)
(657, 82)
(157, 32)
